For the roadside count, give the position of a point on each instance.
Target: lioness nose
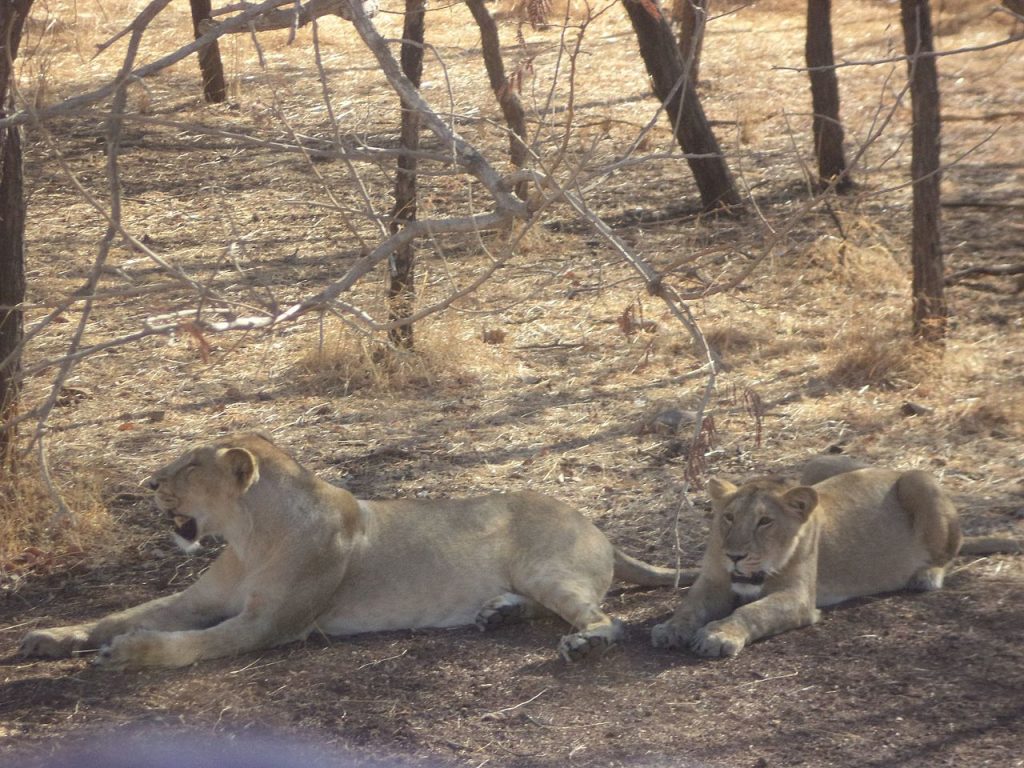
(152, 483)
(735, 558)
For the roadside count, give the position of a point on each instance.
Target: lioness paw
(590, 642)
(138, 649)
(719, 638)
(53, 643)
(927, 579)
(504, 609)
(671, 634)
(112, 657)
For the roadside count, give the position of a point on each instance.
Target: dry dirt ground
(812, 349)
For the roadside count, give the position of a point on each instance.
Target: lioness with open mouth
(302, 555)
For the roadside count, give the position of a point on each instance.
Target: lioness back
(435, 563)
(868, 542)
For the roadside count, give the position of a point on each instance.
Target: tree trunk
(929, 302)
(401, 286)
(508, 99)
(12, 228)
(692, 17)
(676, 91)
(827, 128)
(214, 89)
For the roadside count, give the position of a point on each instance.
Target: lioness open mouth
(185, 527)
(756, 578)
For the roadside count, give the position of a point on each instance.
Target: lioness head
(758, 524)
(197, 490)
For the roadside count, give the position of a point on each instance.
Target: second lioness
(779, 550)
(302, 555)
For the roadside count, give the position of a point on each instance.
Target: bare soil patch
(558, 398)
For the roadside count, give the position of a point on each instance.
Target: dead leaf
(196, 334)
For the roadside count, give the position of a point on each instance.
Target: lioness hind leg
(508, 608)
(927, 579)
(935, 524)
(579, 604)
(823, 467)
(594, 641)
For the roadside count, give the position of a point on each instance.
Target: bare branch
(297, 15)
(463, 153)
(138, 25)
(908, 57)
(77, 103)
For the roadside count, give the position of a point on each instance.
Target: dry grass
(343, 361)
(1001, 417)
(832, 309)
(541, 379)
(34, 538)
(876, 351)
(863, 259)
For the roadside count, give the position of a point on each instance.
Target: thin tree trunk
(12, 279)
(692, 17)
(214, 89)
(12, 228)
(929, 302)
(826, 125)
(508, 99)
(402, 264)
(676, 91)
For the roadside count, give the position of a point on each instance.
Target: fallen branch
(998, 270)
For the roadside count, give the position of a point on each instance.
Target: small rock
(668, 421)
(915, 409)
(68, 396)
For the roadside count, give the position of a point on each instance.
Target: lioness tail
(645, 575)
(991, 545)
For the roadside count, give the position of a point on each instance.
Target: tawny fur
(302, 555)
(779, 550)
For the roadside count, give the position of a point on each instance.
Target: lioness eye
(763, 522)
(727, 517)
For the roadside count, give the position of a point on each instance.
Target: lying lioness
(302, 555)
(778, 551)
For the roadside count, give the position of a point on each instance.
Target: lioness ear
(719, 489)
(242, 465)
(801, 501)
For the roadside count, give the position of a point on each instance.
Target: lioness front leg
(58, 642)
(770, 615)
(172, 612)
(283, 612)
(709, 598)
(146, 648)
(198, 606)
